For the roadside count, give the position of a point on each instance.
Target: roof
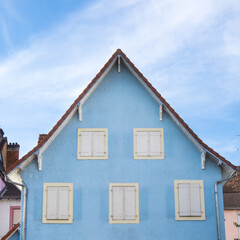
(233, 185)
(231, 200)
(12, 192)
(11, 232)
(158, 95)
(231, 193)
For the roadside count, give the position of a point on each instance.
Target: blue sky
(189, 50)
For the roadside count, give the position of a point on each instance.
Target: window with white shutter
(57, 203)
(92, 143)
(148, 143)
(123, 203)
(189, 200)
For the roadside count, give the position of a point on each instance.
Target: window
(189, 200)
(92, 143)
(148, 143)
(14, 216)
(57, 203)
(123, 203)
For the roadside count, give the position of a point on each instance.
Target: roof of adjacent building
(231, 193)
(231, 200)
(12, 192)
(158, 95)
(233, 185)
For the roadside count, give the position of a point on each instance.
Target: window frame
(105, 130)
(44, 211)
(111, 220)
(189, 218)
(11, 218)
(135, 130)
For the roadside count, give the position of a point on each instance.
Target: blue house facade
(121, 164)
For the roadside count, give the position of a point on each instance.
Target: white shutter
(117, 203)
(86, 144)
(130, 203)
(142, 144)
(63, 202)
(155, 143)
(98, 144)
(195, 200)
(184, 199)
(52, 203)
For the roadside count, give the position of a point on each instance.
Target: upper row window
(148, 143)
(93, 143)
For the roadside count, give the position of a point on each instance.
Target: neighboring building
(10, 196)
(121, 164)
(231, 194)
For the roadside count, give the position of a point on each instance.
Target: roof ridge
(118, 52)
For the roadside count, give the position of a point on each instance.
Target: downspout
(216, 201)
(24, 204)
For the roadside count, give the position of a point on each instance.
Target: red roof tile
(118, 52)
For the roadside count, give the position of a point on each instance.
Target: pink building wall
(231, 216)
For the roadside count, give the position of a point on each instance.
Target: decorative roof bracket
(203, 159)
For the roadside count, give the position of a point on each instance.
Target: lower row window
(123, 202)
(189, 200)
(57, 203)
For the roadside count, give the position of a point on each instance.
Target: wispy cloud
(7, 14)
(185, 48)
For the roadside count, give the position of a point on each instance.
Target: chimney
(41, 137)
(12, 153)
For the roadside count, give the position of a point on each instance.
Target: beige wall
(231, 216)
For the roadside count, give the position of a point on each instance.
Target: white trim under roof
(142, 82)
(92, 89)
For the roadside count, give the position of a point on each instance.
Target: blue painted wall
(15, 236)
(120, 103)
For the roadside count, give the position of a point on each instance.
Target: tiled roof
(233, 185)
(231, 200)
(120, 53)
(11, 232)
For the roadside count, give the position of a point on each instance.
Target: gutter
(216, 201)
(24, 205)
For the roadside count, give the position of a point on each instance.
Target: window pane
(184, 199)
(52, 203)
(195, 199)
(142, 144)
(117, 204)
(155, 143)
(63, 202)
(98, 139)
(130, 203)
(16, 216)
(86, 144)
